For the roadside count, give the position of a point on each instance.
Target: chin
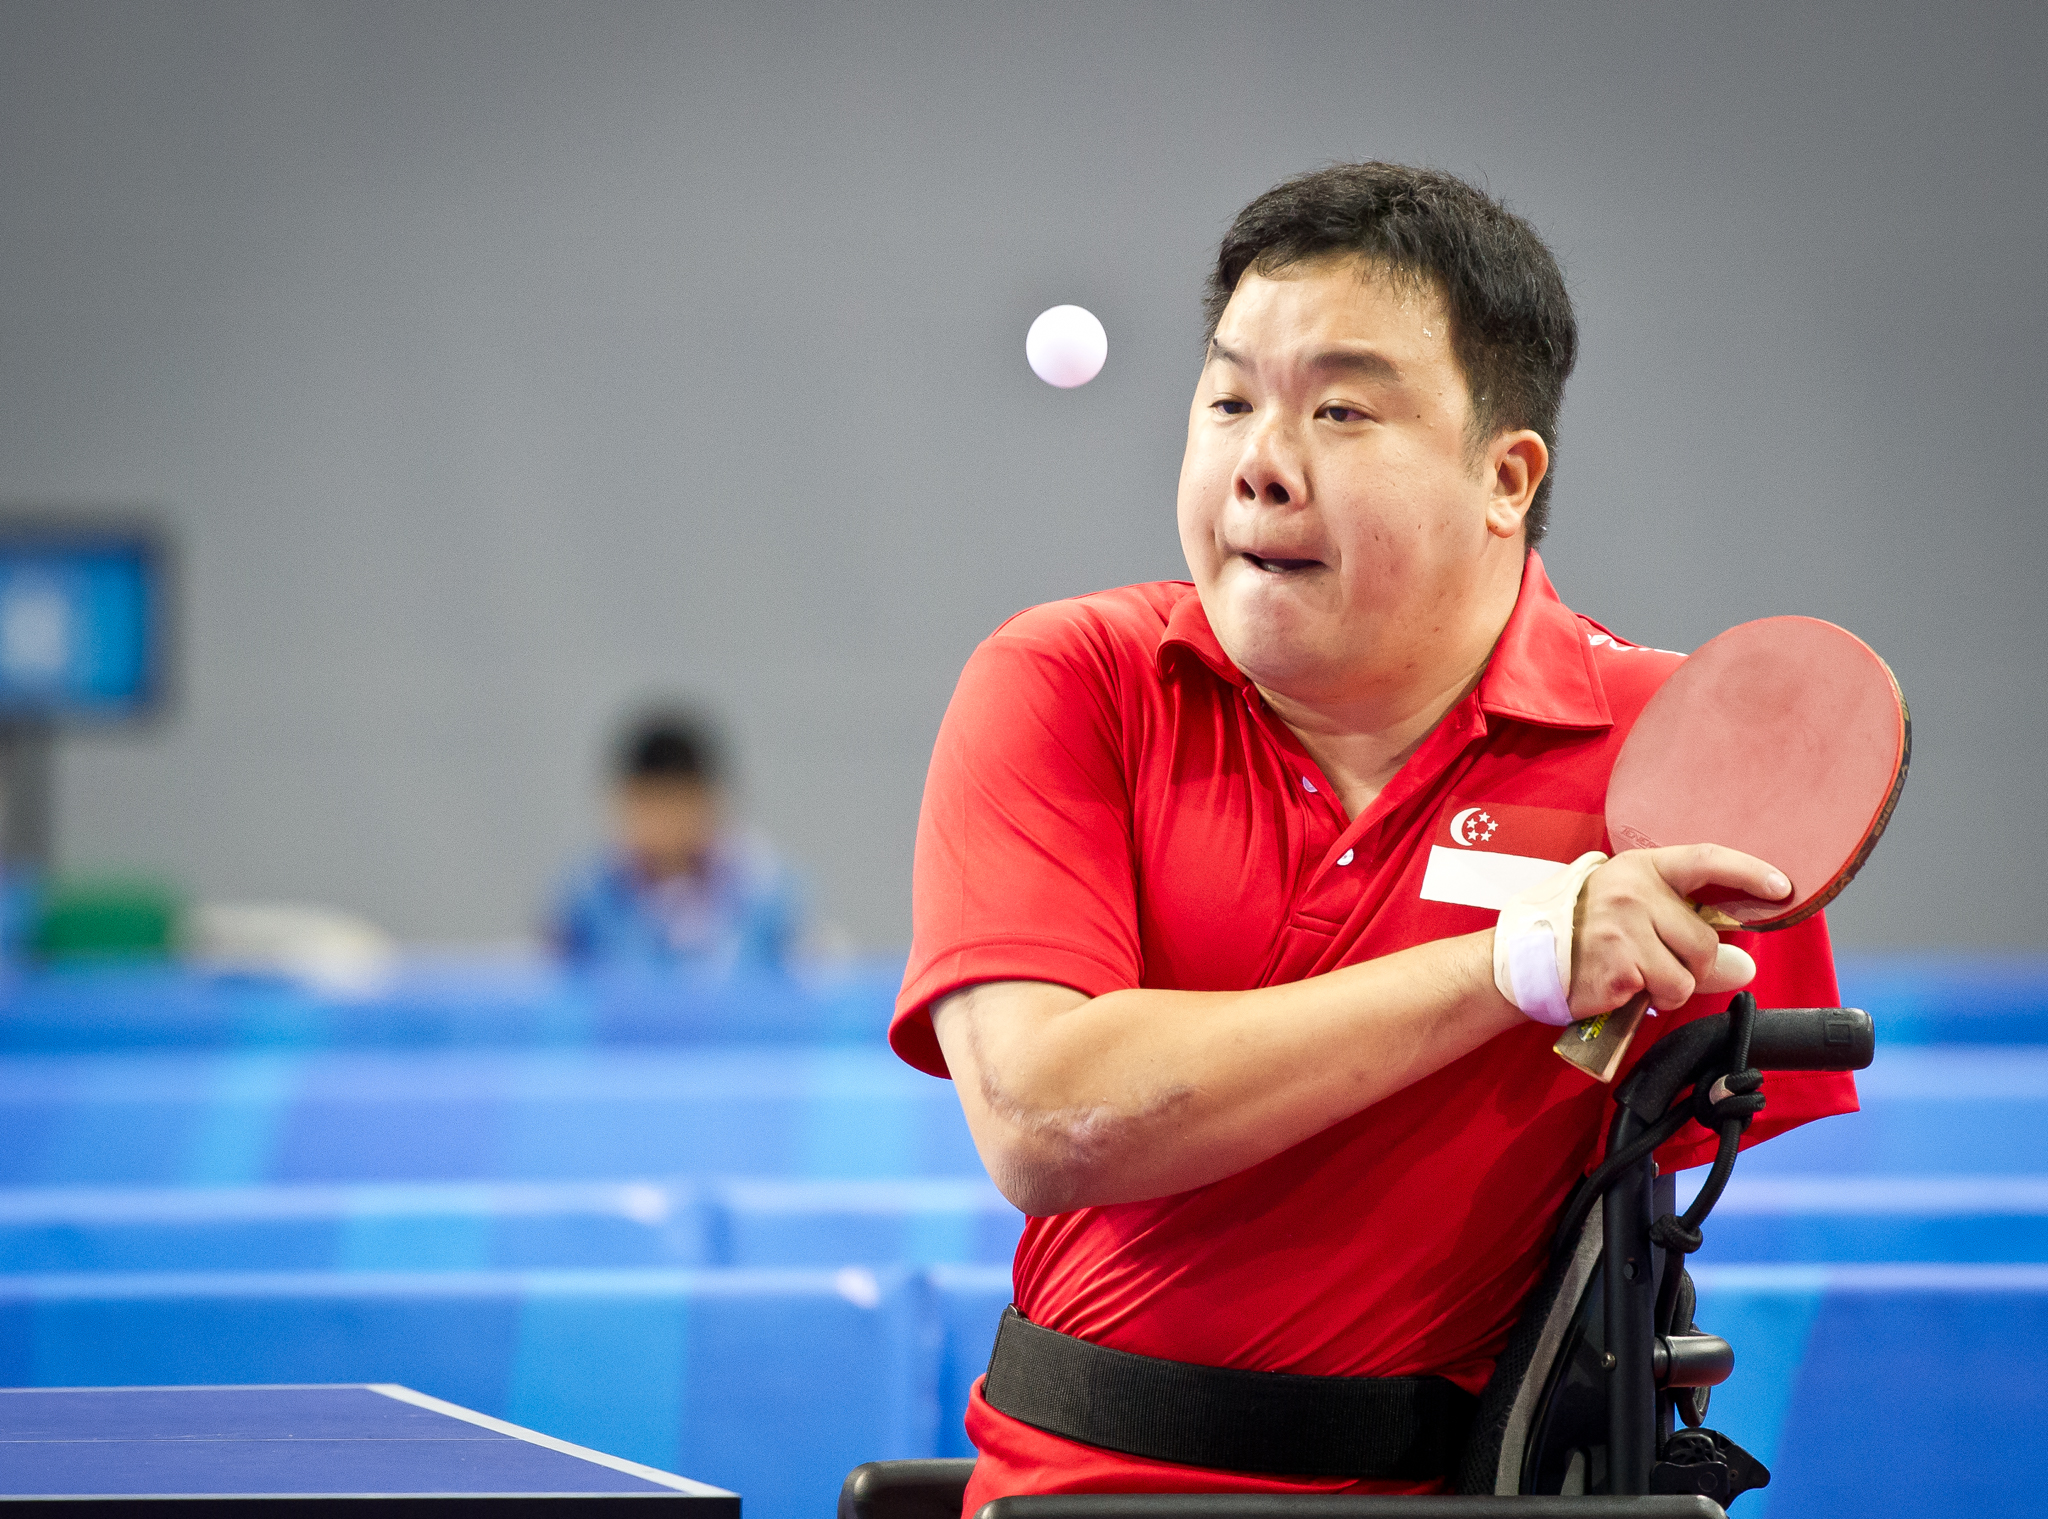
(1271, 650)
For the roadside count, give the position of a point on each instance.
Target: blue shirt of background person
(679, 886)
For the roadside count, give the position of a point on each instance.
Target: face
(1342, 534)
(666, 826)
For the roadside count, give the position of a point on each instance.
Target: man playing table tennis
(1208, 875)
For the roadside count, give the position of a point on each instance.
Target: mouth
(1280, 566)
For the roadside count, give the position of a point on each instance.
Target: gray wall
(503, 362)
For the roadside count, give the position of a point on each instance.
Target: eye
(1340, 413)
(1231, 407)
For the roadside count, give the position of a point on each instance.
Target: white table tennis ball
(1066, 346)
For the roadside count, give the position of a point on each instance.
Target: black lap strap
(1215, 1416)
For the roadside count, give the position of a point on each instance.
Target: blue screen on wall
(81, 622)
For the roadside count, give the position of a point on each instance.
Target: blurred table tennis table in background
(272, 1450)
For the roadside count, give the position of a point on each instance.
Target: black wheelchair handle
(1812, 1039)
(1781, 1039)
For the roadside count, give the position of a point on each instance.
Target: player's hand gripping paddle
(1785, 738)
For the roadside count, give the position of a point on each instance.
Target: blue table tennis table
(81, 1451)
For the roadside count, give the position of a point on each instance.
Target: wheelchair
(1597, 1405)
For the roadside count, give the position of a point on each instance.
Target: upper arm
(1023, 869)
(974, 1023)
(978, 1027)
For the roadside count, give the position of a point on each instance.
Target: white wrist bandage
(1532, 943)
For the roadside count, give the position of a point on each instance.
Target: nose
(1270, 471)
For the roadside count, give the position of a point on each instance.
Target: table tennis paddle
(1785, 738)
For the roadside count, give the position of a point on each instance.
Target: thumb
(1731, 971)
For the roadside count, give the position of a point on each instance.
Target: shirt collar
(1542, 668)
(1187, 627)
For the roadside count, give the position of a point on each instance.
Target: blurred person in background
(679, 885)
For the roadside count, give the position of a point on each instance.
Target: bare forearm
(1076, 1101)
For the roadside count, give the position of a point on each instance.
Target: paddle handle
(1596, 1045)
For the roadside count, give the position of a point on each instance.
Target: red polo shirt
(1111, 804)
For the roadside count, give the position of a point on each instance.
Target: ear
(1515, 465)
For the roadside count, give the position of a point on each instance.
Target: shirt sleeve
(1023, 869)
(1795, 967)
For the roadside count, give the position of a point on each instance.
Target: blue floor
(760, 1262)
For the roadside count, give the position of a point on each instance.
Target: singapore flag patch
(1481, 853)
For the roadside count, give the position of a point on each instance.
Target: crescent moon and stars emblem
(1472, 826)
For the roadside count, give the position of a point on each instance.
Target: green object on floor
(111, 918)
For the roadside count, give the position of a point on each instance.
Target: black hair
(1512, 328)
(669, 746)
